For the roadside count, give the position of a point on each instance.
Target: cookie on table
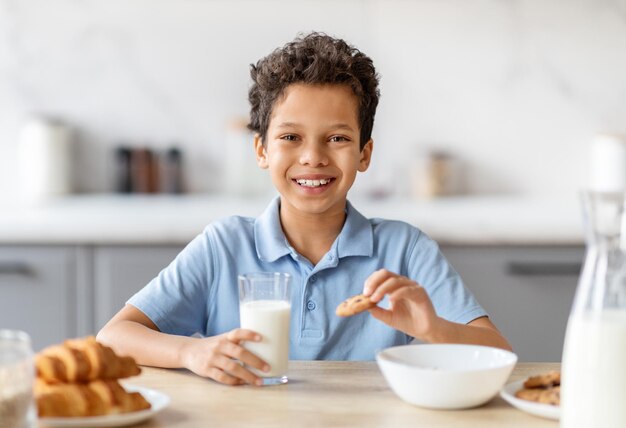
(545, 380)
(544, 388)
(551, 395)
(354, 305)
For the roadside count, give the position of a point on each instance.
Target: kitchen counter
(321, 394)
(161, 219)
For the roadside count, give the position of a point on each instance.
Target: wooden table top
(319, 393)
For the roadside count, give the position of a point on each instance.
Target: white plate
(157, 400)
(538, 409)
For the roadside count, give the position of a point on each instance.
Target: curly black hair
(315, 58)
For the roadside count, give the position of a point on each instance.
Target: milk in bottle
(593, 389)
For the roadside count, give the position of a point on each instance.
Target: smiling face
(312, 148)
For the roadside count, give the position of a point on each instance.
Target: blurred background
(512, 91)
(482, 140)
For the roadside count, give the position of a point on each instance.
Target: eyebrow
(344, 126)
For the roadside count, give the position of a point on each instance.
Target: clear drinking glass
(17, 408)
(265, 307)
(593, 390)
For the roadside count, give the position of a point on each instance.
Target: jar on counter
(241, 174)
(172, 171)
(435, 173)
(17, 372)
(45, 160)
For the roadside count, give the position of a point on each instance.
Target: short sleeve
(452, 301)
(176, 300)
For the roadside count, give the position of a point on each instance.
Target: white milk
(269, 318)
(594, 371)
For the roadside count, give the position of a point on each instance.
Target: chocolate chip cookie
(551, 395)
(354, 305)
(545, 380)
(544, 388)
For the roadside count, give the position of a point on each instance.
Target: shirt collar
(355, 239)
(271, 243)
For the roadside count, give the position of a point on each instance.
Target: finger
(389, 286)
(245, 356)
(374, 280)
(220, 376)
(236, 370)
(240, 334)
(414, 293)
(381, 314)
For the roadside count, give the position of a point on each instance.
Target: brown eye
(338, 138)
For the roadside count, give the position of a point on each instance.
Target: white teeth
(313, 183)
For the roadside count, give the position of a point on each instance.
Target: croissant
(83, 360)
(96, 398)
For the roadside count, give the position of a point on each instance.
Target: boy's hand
(216, 357)
(410, 310)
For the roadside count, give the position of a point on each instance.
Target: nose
(314, 154)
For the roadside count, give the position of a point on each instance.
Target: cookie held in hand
(354, 305)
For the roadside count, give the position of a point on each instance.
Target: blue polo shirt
(198, 292)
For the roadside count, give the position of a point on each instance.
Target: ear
(261, 152)
(366, 156)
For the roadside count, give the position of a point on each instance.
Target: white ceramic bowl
(446, 376)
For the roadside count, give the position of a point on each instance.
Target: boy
(312, 108)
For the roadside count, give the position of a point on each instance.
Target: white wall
(516, 89)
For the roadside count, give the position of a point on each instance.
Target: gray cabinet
(56, 292)
(38, 292)
(121, 271)
(527, 291)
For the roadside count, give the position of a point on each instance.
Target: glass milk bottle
(593, 390)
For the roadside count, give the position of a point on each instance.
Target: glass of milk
(265, 308)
